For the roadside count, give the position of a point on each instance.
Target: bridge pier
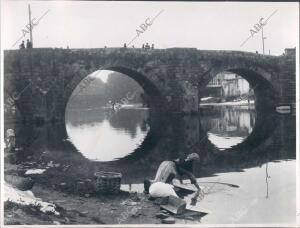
(190, 99)
(286, 85)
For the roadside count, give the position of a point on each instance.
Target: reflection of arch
(130, 126)
(263, 129)
(257, 149)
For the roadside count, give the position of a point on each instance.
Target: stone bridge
(39, 82)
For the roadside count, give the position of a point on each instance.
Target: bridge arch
(258, 79)
(266, 98)
(157, 101)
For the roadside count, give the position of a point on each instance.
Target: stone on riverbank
(169, 220)
(22, 183)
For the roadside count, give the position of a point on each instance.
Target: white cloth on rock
(160, 189)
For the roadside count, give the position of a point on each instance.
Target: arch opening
(111, 113)
(265, 95)
(227, 107)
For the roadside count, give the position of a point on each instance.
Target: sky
(202, 25)
(101, 74)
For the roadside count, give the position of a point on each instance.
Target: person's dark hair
(170, 178)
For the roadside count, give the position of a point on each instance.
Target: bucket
(107, 182)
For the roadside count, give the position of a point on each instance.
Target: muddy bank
(17, 214)
(73, 195)
(123, 208)
(225, 204)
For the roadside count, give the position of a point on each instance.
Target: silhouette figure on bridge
(22, 45)
(28, 44)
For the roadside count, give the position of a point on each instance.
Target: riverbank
(74, 206)
(123, 208)
(58, 186)
(67, 187)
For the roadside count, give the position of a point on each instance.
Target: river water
(106, 135)
(91, 131)
(255, 151)
(266, 179)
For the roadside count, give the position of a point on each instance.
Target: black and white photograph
(149, 113)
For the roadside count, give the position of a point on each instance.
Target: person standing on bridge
(28, 44)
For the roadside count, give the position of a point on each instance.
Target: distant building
(290, 51)
(226, 85)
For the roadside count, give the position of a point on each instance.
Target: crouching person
(167, 171)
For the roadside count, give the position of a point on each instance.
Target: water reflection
(273, 138)
(106, 135)
(227, 126)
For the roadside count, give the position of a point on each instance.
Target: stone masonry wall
(42, 80)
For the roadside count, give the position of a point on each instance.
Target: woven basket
(107, 182)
